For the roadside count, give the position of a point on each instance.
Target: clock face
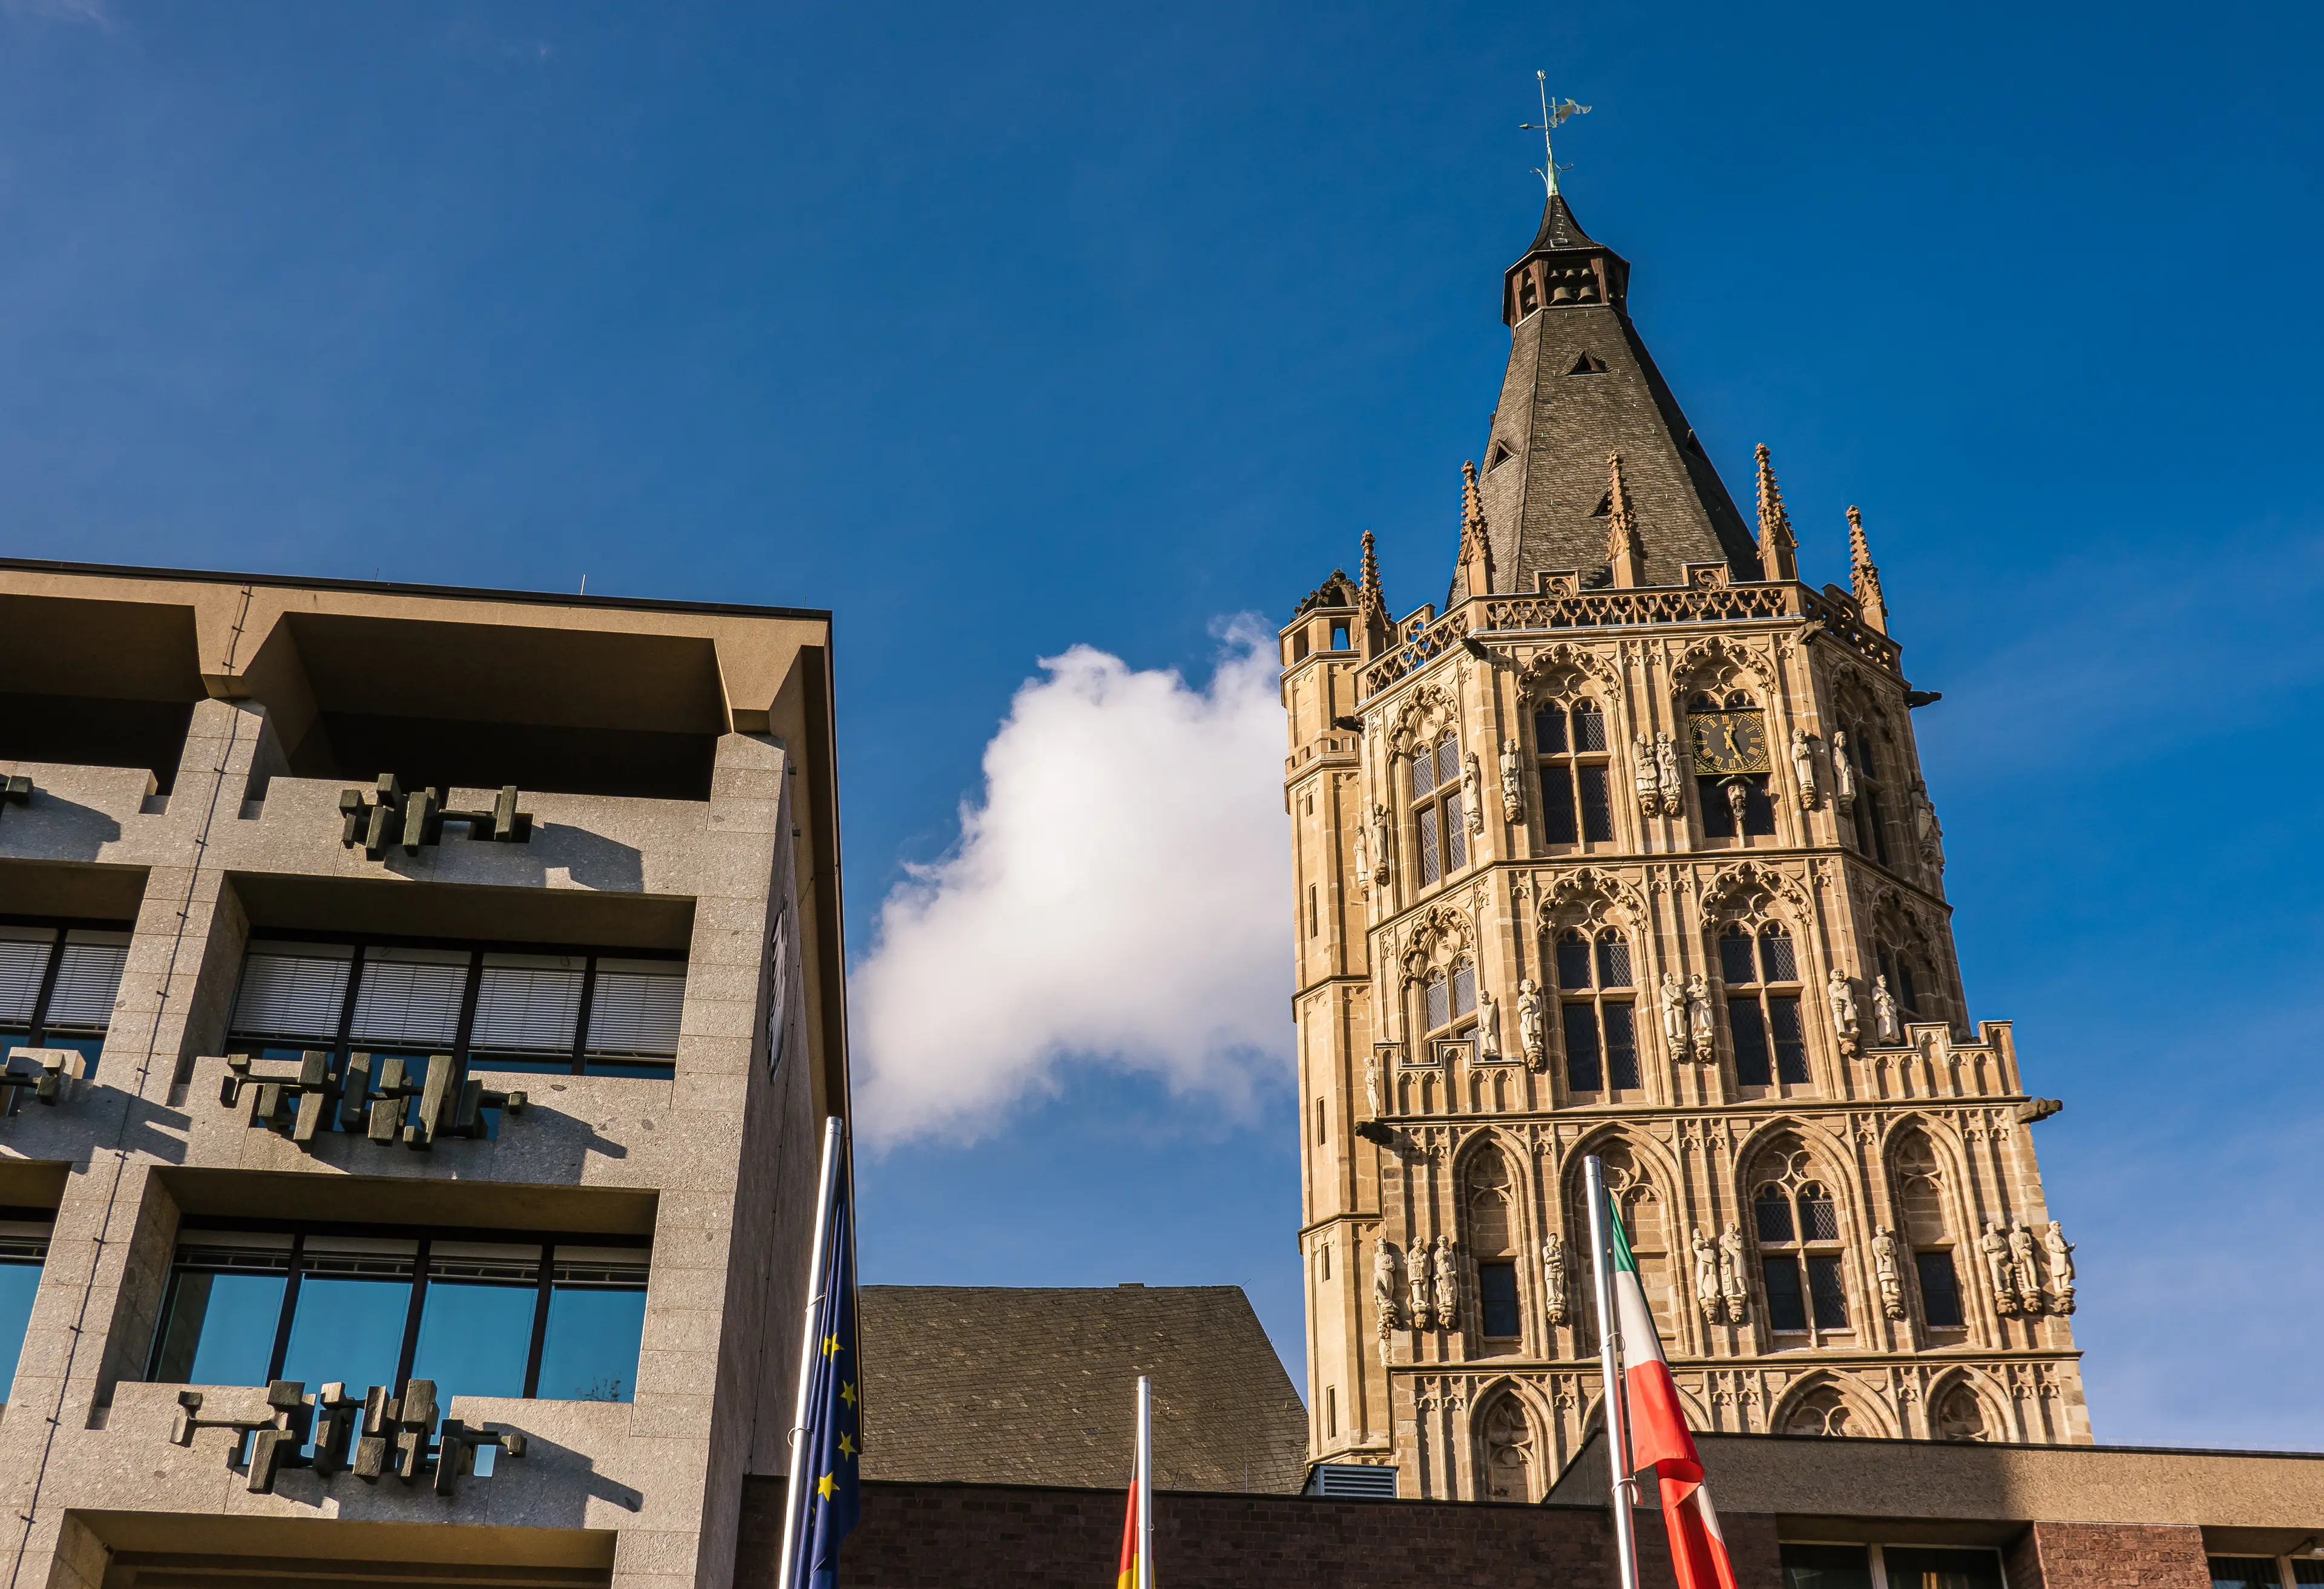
(1728, 742)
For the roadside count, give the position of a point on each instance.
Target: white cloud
(1119, 897)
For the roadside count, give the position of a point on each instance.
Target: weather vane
(1552, 118)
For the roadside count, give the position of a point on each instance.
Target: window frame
(424, 1236)
(1437, 813)
(1572, 768)
(1768, 998)
(15, 1254)
(1800, 1254)
(1597, 995)
(581, 1059)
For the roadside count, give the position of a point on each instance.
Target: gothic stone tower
(1627, 852)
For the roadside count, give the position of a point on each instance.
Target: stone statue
(1673, 1003)
(1488, 1025)
(1666, 774)
(1384, 1287)
(1472, 785)
(1512, 783)
(1372, 1086)
(1415, 1285)
(1997, 1268)
(1645, 780)
(1730, 1270)
(1737, 800)
(1803, 767)
(1842, 992)
(1381, 852)
(1708, 1295)
(1553, 1275)
(1925, 828)
(2029, 1274)
(1843, 775)
(1363, 852)
(2060, 1254)
(1886, 1018)
(1700, 1020)
(1884, 1266)
(1529, 1029)
(1448, 1285)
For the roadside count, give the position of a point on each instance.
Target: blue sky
(1004, 331)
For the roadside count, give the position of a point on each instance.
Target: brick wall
(998, 1536)
(2108, 1556)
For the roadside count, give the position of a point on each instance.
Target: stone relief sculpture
(1843, 775)
(1700, 1020)
(1645, 780)
(1708, 1295)
(1997, 1268)
(2060, 1254)
(1419, 1314)
(1925, 829)
(1488, 1025)
(1841, 993)
(1372, 1086)
(1730, 1270)
(1736, 801)
(1529, 1028)
(2021, 1265)
(1473, 799)
(1553, 1276)
(1380, 853)
(1673, 1003)
(1448, 1285)
(1886, 1018)
(1512, 785)
(1803, 767)
(1666, 774)
(1884, 1267)
(1384, 1287)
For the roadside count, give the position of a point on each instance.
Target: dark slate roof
(1035, 1385)
(1544, 461)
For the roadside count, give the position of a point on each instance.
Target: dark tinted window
(1621, 1046)
(1915, 1568)
(1791, 1041)
(1581, 1070)
(1497, 1290)
(1597, 807)
(1940, 1289)
(2243, 1572)
(1557, 819)
(1827, 1567)
(1771, 1212)
(1786, 1311)
(1735, 960)
(1830, 1295)
(1589, 727)
(1573, 963)
(1549, 731)
(1750, 1035)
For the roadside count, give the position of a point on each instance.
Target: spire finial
(1476, 550)
(1551, 120)
(1368, 580)
(1626, 553)
(1863, 576)
(1777, 559)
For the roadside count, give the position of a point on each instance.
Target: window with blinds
(24, 954)
(293, 990)
(529, 1004)
(636, 1009)
(89, 980)
(410, 997)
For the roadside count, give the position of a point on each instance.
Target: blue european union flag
(832, 1438)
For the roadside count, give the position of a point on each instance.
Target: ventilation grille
(1360, 1481)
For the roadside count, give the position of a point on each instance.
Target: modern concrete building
(420, 1008)
(1628, 851)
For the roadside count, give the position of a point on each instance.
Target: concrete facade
(1636, 859)
(291, 693)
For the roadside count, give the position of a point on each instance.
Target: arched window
(1762, 974)
(1485, 1196)
(1870, 807)
(1598, 1017)
(1821, 1411)
(1639, 1201)
(1728, 737)
(1797, 1226)
(1921, 1206)
(1449, 1000)
(1441, 833)
(1571, 745)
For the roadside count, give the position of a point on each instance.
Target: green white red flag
(1659, 1438)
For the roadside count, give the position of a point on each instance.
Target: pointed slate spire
(1626, 553)
(1475, 576)
(1863, 576)
(1777, 549)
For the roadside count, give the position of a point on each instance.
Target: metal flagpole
(818, 1268)
(1617, 1419)
(1145, 1482)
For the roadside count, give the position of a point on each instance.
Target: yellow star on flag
(847, 1394)
(846, 1446)
(830, 1346)
(826, 1488)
